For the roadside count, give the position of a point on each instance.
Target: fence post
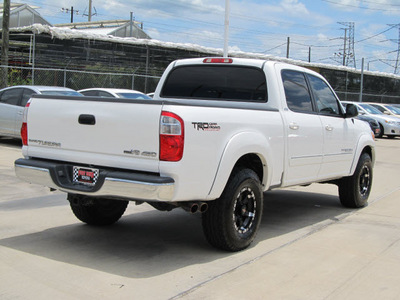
(65, 77)
(133, 81)
(147, 68)
(33, 58)
(361, 81)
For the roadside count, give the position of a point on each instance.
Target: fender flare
(365, 141)
(241, 144)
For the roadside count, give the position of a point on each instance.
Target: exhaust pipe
(191, 207)
(203, 207)
(194, 207)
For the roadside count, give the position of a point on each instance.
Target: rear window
(133, 96)
(61, 93)
(231, 83)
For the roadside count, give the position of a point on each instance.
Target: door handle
(328, 127)
(294, 126)
(87, 120)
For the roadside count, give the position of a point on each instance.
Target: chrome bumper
(116, 184)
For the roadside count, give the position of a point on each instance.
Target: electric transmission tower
(397, 66)
(348, 55)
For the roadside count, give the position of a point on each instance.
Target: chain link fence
(355, 97)
(77, 80)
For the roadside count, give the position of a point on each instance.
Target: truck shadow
(150, 243)
(10, 142)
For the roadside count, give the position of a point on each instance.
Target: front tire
(231, 222)
(381, 133)
(354, 190)
(97, 211)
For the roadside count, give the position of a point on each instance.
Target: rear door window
(230, 83)
(297, 94)
(11, 96)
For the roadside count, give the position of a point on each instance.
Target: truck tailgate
(117, 133)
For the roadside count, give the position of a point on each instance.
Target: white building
(23, 15)
(119, 28)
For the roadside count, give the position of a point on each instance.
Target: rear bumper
(111, 183)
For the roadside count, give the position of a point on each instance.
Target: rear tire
(354, 190)
(231, 222)
(97, 211)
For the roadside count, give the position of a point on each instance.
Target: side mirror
(351, 111)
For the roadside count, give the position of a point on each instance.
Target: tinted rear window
(233, 83)
(133, 96)
(61, 93)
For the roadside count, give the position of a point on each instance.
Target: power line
(361, 7)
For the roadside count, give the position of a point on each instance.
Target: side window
(298, 97)
(90, 93)
(26, 95)
(11, 96)
(380, 108)
(326, 101)
(105, 94)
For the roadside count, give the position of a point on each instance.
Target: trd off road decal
(206, 126)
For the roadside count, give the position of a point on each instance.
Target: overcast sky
(258, 26)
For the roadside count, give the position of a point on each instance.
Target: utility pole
(90, 14)
(72, 11)
(287, 47)
(5, 36)
(90, 11)
(131, 25)
(226, 30)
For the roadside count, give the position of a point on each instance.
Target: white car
(114, 93)
(390, 125)
(387, 109)
(13, 100)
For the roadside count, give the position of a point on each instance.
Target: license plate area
(84, 175)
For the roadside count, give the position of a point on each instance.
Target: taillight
(24, 134)
(171, 137)
(24, 127)
(218, 60)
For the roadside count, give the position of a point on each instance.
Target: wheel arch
(245, 150)
(365, 145)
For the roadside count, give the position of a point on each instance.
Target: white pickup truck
(217, 135)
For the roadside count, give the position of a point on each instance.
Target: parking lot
(308, 246)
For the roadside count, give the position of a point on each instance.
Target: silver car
(387, 109)
(114, 93)
(13, 100)
(390, 126)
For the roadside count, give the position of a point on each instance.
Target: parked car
(390, 126)
(13, 100)
(395, 105)
(387, 109)
(376, 129)
(114, 93)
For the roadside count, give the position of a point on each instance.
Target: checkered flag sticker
(85, 175)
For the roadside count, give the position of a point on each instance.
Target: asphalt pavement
(308, 246)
